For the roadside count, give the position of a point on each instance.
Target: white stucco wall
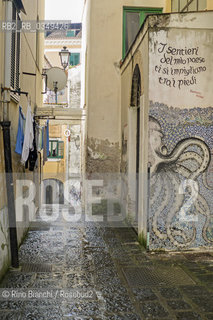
(181, 61)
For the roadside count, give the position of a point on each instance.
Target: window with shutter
(60, 149)
(15, 52)
(18, 50)
(56, 149)
(74, 59)
(70, 33)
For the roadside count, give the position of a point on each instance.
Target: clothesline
(31, 138)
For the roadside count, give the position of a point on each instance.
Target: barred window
(15, 52)
(188, 5)
(56, 149)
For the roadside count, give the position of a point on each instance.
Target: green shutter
(71, 33)
(143, 13)
(56, 149)
(60, 149)
(74, 59)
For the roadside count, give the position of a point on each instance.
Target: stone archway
(136, 87)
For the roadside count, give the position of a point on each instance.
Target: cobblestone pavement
(113, 274)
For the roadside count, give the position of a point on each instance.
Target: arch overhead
(136, 87)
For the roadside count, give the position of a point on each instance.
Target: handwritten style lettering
(179, 67)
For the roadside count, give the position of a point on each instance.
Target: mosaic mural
(181, 184)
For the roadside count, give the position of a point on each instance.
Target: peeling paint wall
(102, 156)
(101, 94)
(74, 151)
(74, 87)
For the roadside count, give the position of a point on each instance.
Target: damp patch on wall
(102, 156)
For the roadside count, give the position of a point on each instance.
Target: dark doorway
(137, 161)
(49, 195)
(135, 102)
(54, 191)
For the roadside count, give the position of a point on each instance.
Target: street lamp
(64, 56)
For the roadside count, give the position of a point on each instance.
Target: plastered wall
(31, 61)
(102, 48)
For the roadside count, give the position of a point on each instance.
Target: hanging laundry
(46, 151)
(33, 153)
(37, 136)
(28, 136)
(20, 132)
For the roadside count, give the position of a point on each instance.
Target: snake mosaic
(180, 144)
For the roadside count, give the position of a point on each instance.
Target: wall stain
(102, 156)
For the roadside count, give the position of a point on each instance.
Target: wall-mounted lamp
(64, 56)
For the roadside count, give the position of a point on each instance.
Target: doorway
(135, 103)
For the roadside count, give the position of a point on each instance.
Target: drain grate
(36, 267)
(156, 276)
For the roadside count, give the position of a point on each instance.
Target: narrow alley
(106, 160)
(113, 275)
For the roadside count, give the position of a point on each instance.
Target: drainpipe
(7, 144)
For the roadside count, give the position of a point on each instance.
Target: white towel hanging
(28, 135)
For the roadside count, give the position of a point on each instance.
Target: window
(70, 33)
(188, 5)
(74, 59)
(56, 149)
(15, 52)
(133, 18)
